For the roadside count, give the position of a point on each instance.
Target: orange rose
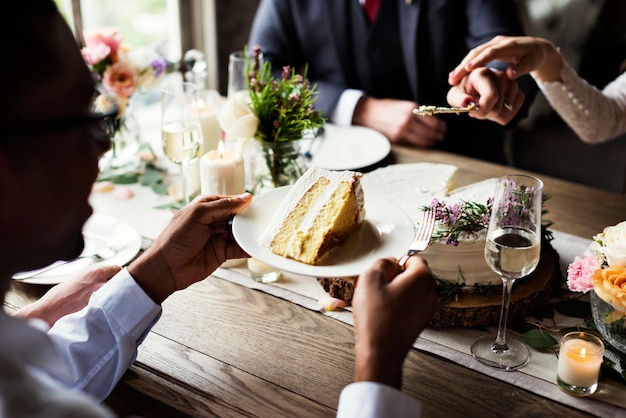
(121, 79)
(610, 285)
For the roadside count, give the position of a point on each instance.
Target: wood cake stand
(529, 295)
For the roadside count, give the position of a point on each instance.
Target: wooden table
(221, 349)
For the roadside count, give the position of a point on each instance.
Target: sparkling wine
(181, 141)
(512, 252)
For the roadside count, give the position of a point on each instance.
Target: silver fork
(100, 255)
(422, 237)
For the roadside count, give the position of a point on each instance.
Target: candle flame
(200, 104)
(220, 148)
(583, 352)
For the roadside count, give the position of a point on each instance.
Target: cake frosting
(415, 186)
(318, 213)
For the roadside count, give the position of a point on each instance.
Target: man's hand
(498, 97)
(68, 297)
(391, 307)
(395, 119)
(196, 242)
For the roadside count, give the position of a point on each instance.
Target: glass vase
(610, 322)
(276, 164)
(125, 144)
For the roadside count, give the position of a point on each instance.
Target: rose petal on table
(330, 303)
(122, 193)
(103, 187)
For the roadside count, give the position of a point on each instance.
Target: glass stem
(183, 166)
(500, 342)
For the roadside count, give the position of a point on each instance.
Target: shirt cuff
(370, 399)
(342, 115)
(124, 300)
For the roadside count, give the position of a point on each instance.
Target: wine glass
(512, 250)
(180, 127)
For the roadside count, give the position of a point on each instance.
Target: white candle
(211, 132)
(222, 173)
(580, 359)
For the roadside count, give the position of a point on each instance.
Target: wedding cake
(456, 253)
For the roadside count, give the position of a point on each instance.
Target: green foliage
(284, 106)
(540, 338)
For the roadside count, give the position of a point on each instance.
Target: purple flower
(159, 65)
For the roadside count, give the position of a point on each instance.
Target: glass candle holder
(580, 358)
(262, 272)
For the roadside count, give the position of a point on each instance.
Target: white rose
(614, 242)
(237, 118)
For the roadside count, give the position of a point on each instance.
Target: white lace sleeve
(596, 116)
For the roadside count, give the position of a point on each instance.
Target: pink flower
(121, 79)
(110, 37)
(580, 273)
(93, 54)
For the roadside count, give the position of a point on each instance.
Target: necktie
(371, 8)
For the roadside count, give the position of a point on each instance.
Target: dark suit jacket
(434, 35)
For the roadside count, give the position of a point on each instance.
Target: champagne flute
(181, 133)
(512, 250)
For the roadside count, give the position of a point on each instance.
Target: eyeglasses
(103, 122)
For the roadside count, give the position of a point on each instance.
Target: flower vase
(610, 322)
(125, 144)
(276, 164)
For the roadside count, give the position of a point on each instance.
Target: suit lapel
(409, 12)
(339, 30)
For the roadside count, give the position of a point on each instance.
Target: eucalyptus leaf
(538, 338)
(126, 178)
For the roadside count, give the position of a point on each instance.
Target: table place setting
(539, 375)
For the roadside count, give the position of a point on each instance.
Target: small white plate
(387, 231)
(99, 232)
(349, 148)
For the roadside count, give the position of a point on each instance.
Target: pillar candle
(211, 132)
(222, 173)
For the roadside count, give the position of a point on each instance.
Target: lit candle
(580, 358)
(221, 173)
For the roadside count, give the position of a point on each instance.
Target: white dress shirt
(77, 363)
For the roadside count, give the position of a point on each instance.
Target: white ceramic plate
(349, 148)
(99, 232)
(387, 231)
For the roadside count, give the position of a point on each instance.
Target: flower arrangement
(277, 112)
(602, 268)
(120, 70)
(285, 106)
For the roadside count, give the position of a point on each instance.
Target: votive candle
(580, 358)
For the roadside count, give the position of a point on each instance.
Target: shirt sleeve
(344, 111)
(370, 400)
(596, 116)
(100, 341)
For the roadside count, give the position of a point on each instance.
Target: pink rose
(120, 79)
(110, 37)
(580, 273)
(93, 54)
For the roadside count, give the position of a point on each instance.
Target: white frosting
(412, 186)
(295, 194)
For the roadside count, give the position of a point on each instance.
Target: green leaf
(538, 338)
(574, 308)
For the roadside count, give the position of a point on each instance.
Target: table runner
(538, 376)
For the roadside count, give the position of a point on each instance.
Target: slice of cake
(319, 212)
